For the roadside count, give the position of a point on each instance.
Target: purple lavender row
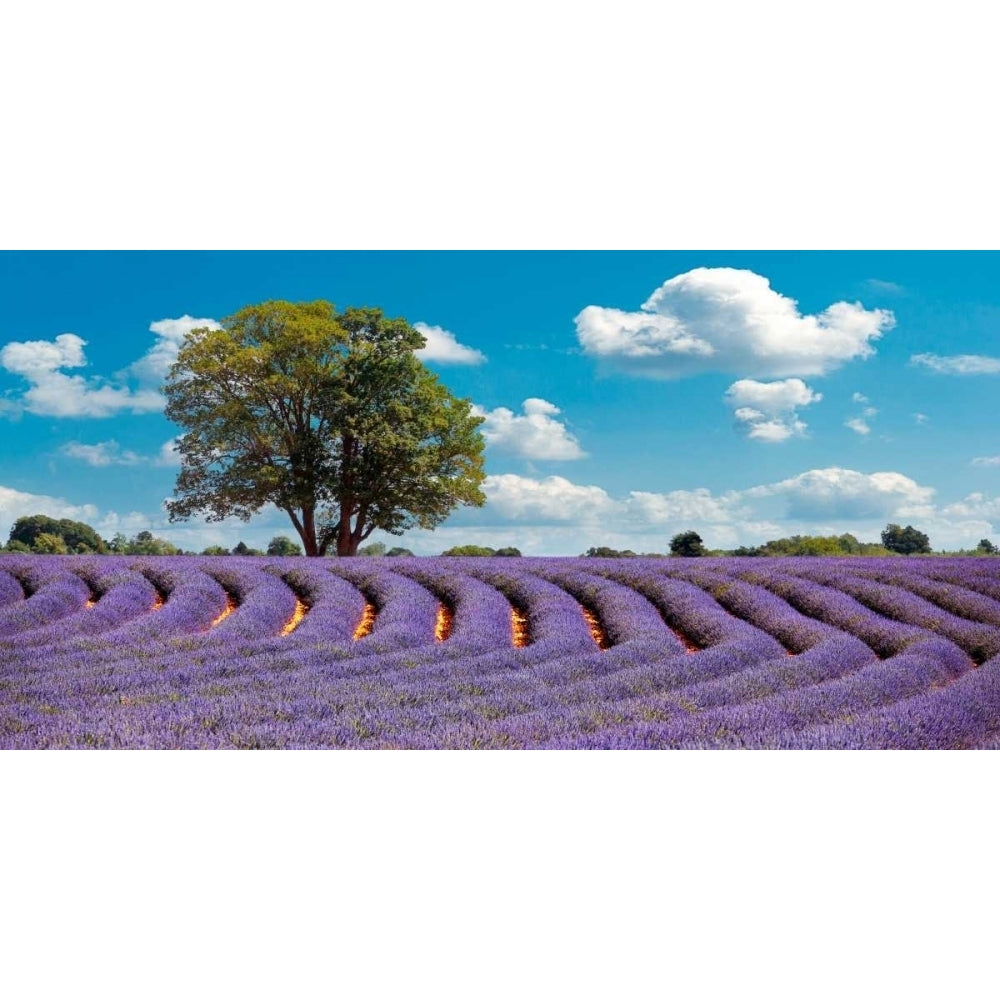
(883, 635)
(335, 605)
(264, 602)
(10, 589)
(981, 576)
(555, 623)
(624, 614)
(122, 595)
(193, 602)
(690, 610)
(482, 613)
(55, 593)
(979, 641)
(951, 596)
(957, 717)
(406, 611)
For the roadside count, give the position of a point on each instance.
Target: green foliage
(146, 544)
(906, 541)
(330, 416)
(282, 545)
(48, 544)
(77, 536)
(215, 550)
(986, 547)
(687, 543)
(242, 549)
(603, 552)
(813, 545)
(508, 550)
(374, 549)
(469, 550)
(16, 546)
(398, 551)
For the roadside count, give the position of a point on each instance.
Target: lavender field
(560, 653)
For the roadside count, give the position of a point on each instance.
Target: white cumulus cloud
(536, 434)
(728, 320)
(845, 494)
(858, 425)
(443, 347)
(550, 499)
(154, 365)
(53, 393)
(15, 504)
(958, 364)
(768, 411)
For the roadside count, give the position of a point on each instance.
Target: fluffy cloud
(858, 425)
(958, 364)
(987, 460)
(768, 410)
(154, 365)
(556, 515)
(106, 453)
(168, 455)
(975, 505)
(727, 320)
(550, 499)
(535, 435)
(15, 504)
(836, 494)
(53, 393)
(101, 455)
(443, 347)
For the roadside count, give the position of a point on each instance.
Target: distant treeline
(46, 535)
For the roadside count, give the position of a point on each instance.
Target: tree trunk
(308, 532)
(346, 544)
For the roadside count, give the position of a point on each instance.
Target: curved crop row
(135, 652)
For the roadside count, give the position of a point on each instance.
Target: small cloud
(106, 453)
(958, 364)
(443, 347)
(859, 398)
(990, 461)
(857, 425)
(535, 435)
(920, 418)
(100, 455)
(884, 287)
(767, 411)
(168, 455)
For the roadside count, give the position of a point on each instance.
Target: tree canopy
(905, 541)
(687, 543)
(74, 535)
(328, 416)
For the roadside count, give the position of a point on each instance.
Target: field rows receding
(102, 651)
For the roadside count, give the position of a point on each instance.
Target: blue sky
(627, 395)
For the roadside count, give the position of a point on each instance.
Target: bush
(687, 543)
(469, 550)
(905, 541)
(282, 545)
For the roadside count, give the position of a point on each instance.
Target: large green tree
(906, 540)
(329, 416)
(77, 536)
